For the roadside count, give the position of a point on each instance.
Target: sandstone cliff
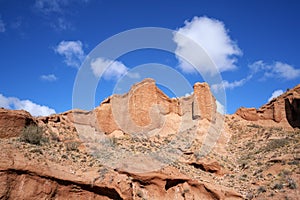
(284, 109)
(145, 107)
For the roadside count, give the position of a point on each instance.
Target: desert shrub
(276, 129)
(32, 134)
(261, 189)
(112, 141)
(54, 137)
(293, 162)
(291, 184)
(72, 146)
(254, 126)
(277, 143)
(278, 186)
(284, 173)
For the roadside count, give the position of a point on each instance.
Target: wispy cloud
(61, 24)
(17, 104)
(56, 12)
(275, 70)
(214, 38)
(275, 94)
(2, 26)
(50, 6)
(72, 51)
(55, 6)
(230, 85)
(109, 69)
(48, 77)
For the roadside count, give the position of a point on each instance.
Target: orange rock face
(13, 122)
(145, 107)
(204, 102)
(248, 113)
(283, 109)
(143, 97)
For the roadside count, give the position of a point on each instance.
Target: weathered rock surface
(48, 172)
(13, 122)
(204, 104)
(241, 159)
(145, 107)
(283, 109)
(23, 178)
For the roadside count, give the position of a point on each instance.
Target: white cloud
(230, 85)
(277, 70)
(2, 26)
(114, 69)
(285, 71)
(213, 37)
(33, 108)
(72, 51)
(258, 66)
(188, 94)
(48, 77)
(4, 101)
(275, 94)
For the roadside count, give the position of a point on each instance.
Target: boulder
(12, 122)
(248, 113)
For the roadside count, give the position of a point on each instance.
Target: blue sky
(255, 45)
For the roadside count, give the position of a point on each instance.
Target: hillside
(145, 145)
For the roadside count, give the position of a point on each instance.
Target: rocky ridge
(252, 159)
(283, 109)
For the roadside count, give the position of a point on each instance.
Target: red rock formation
(48, 174)
(145, 105)
(13, 122)
(54, 171)
(143, 96)
(285, 109)
(250, 114)
(204, 102)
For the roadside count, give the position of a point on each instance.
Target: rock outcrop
(282, 109)
(187, 152)
(13, 122)
(204, 104)
(145, 107)
(66, 166)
